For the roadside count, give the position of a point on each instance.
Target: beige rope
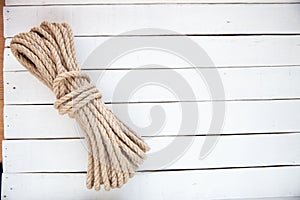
(114, 150)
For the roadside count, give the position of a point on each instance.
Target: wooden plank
(79, 2)
(159, 85)
(231, 151)
(203, 184)
(1, 78)
(190, 19)
(224, 51)
(241, 117)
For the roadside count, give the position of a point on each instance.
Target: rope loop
(68, 77)
(77, 97)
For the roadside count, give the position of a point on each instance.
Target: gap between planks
(169, 170)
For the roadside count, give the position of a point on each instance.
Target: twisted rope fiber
(114, 150)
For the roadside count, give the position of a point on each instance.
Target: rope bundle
(114, 150)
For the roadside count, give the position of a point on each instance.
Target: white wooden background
(254, 43)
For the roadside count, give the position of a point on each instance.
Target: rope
(114, 150)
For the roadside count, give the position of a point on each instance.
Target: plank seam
(174, 68)
(188, 35)
(170, 136)
(171, 170)
(155, 3)
(167, 102)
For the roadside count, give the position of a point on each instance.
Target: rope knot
(81, 92)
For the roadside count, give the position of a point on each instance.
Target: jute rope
(114, 150)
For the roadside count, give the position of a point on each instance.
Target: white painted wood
(198, 184)
(57, 2)
(231, 151)
(181, 18)
(224, 51)
(158, 85)
(241, 117)
(252, 67)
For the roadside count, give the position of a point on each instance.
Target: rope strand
(114, 150)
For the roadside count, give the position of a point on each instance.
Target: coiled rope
(114, 150)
